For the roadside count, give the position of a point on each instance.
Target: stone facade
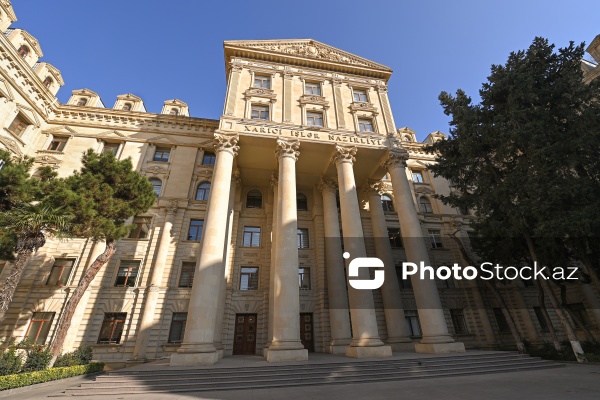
(305, 163)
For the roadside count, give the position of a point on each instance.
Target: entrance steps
(163, 378)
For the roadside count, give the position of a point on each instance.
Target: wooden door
(244, 341)
(306, 331)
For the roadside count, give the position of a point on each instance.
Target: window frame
(136, 232)
(256, 202)
(261, 80)
(118, 321)
(180, 323)
(82, 102)
(129, 265)
(459, 323)
(186, 266)
(24, 51)
(501, 321)
(21, 126)
(155, 186)
(251, 242)
(160, 152)
(260, 109)
(252, 277)
(48, 81)
(303, 278)
(303, 238)
(425, 205)
(58, 142)
(435, 238)
(204, 195)
(315, 116)
(113, 147)
(313, 85)
(363, 121)
(301, 200)
(359, 92)
(61, 273)
(209, 158)
(416, 174)
(395, 238)
(45, 325)
(198, 224)
(387, 204)
(414, 322)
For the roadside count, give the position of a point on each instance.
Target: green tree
(102, 197)
(525, 159)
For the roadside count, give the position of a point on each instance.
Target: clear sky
(161, 50)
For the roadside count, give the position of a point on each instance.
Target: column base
(286, 355)
(401, 346)
(368, 352)
(192, 359)
(440, 348)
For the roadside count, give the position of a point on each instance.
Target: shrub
(10, 361)
(548, 352)
(81, 356)
(50, 374)
(38, 356)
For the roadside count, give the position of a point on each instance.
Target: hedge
(50, 374)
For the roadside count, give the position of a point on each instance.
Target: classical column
(339, 316)
(436, 338)
(152, 291)
(397, 328)
(198, 346)
(286, 344)
(365, 335)
(274, 185)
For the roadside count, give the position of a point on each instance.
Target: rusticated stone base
(287, 355)
(440, 348)
(368, 352)
(191, 359)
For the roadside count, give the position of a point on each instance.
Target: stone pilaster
(235, 72)
(198, 347)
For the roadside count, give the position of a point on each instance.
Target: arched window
(23, 51)
(48, 82)
(127, 107)
(203, 191)
(425, 205)
(301, 202)
(174, 111)
(254, 199)
(82, 102)
(156, 185)
(387, 203)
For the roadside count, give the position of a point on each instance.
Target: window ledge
(132, 239)
(53, 152)
(116, 345)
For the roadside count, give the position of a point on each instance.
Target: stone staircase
(177, 379)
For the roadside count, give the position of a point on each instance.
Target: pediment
(162, 139)
(113, 133)
(61, 129)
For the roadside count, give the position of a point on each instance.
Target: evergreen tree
(525, 160)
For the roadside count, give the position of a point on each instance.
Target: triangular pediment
(163, 139)
(61, 129)
(108, 134)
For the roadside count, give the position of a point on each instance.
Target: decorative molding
(328, 185)
(363, 106)
(259, 92)
(395, 159)
(11, 145)
(226, 143)
(171, 208)
(274, 181)
(311, 99)
(375, 188)
(236, 179)
(344, 154)
(287, 148)
(48, 161)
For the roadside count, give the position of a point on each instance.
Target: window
(141, 227)
(57, 144)
(579, 314)
(501, 321)
(186, 279)
(82, 102)
(61, 270)
(365, 125)
(162, 154)
(48, 82)
(539, 314)
(126, 107)
(39, 327)
(251, 236)
(425, 205)
(435, 238)
(262, 81)
(195, 231)
(260, 112)
(314, 119)
(312, 88)
(128, 271)
(395, 238)
(203, 191)
(209, 158)
(249, 278)
(304, 278)
(360, 95)
(19, 124)
(303, 238)
(301, 202)
(387, 203)
(254, 199)
(177, 327)
(458, 321)
(112, 328)
(403, 283)
(110, 147)
(23, 51)
(417, 176)
(412, 320)
(174, 111)
(156, 185)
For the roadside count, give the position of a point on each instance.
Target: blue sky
(162, 50)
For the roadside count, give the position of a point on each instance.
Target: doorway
(244, 342)
(306, 331)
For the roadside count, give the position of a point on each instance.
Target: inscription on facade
(305, 134)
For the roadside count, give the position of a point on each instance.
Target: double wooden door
(306, 331)
(245, 334)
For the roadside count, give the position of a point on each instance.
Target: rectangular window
(141, 228)
(458, 321)
(403, 283)
(579, 314)
(359, 95)
(302, 238)
(501, 321)
(195, 231)
(412, 320)
(57, 144)
(60, 272)
(39, 327)
(177, 327)
(162, 154)
(209, 158)
(417, 176)
(128, 271)
(249, 278)
(541, 320)
(312, 88)
(262, 81)
(435, 238)
(365, 125)
(112, 328)
(251, 236)
(18, 126)
(395, 238)
(304, 278)
(260, 112)
(314, 119)
(110, 147)
(186, 279)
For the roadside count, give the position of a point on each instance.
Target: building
(242, 252)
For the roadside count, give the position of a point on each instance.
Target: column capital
(395, 158)
(226, 143)
(328, 185)
(344, 154)
(171, 208)
(374, 188)
(287, 148)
